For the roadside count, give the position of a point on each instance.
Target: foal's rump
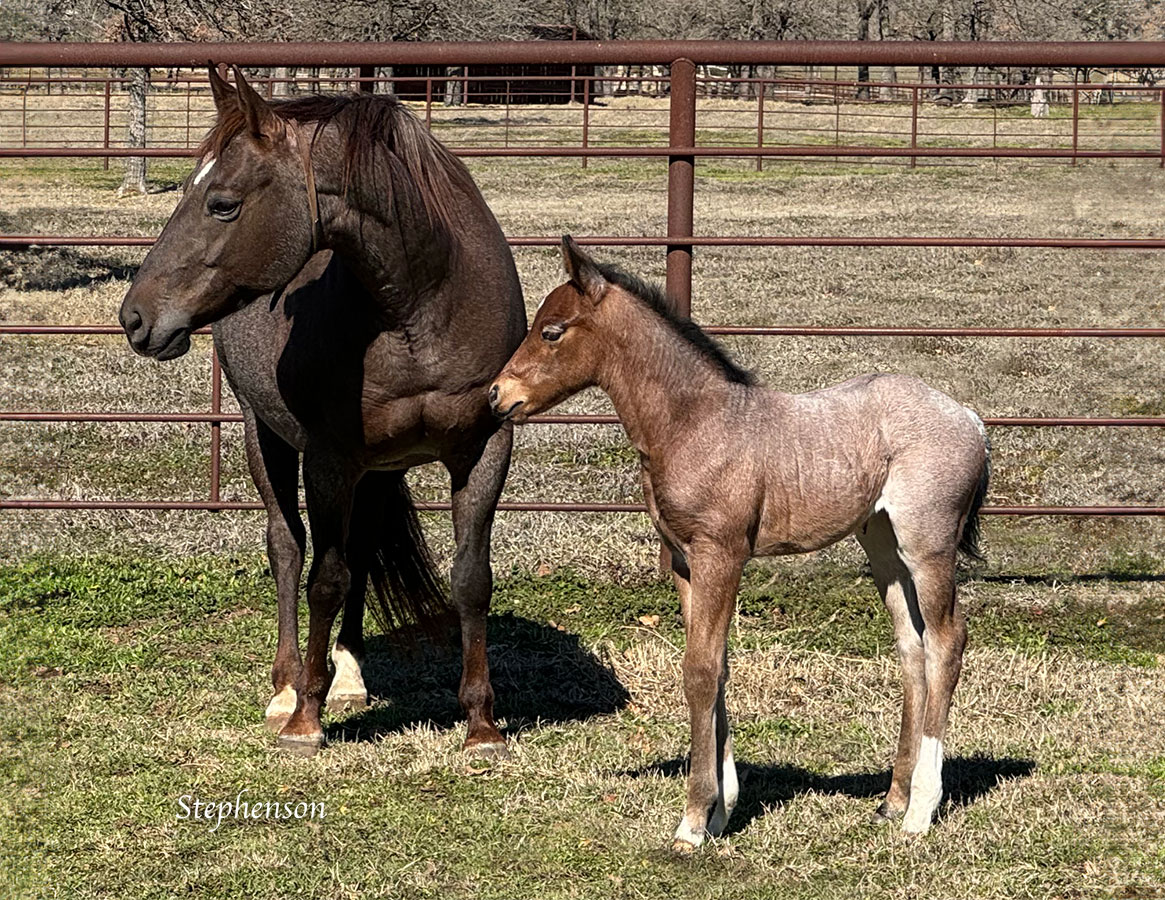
(875, 443)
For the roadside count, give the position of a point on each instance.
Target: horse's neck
(656, 381)
(384, 236)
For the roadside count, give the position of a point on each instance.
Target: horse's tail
(386, 531)
(969, 542)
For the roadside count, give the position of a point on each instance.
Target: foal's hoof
(681, 847)
(347, 702)
(885, 813)
(305, 745)
(491, 750)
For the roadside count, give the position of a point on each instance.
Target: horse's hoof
(885, 813)
(347, 702)
(305, 745)
(681, 847)
(275, 724)
(492, 750)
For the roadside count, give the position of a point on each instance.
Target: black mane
(653, 297)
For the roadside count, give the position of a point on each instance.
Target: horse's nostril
(493, 395)
(131, 321)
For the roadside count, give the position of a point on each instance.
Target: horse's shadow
(762, 787)
(539, 675)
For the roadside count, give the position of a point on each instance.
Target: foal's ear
(582, 270)
(261, 121)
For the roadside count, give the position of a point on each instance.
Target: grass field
(137, 645)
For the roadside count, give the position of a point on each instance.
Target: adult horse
(388, 301)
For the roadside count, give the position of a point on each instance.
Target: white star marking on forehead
(206, 168)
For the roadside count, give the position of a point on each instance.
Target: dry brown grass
(792, 285)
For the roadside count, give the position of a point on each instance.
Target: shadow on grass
(539, 674)
(965, 780)
(59, 269)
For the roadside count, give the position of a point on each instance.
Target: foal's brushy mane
(366, 121)
(653, 297)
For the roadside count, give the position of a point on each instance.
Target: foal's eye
(552, 332)
(225, 209)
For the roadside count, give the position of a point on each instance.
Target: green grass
(128, 684)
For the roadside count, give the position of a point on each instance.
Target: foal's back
(832, 457)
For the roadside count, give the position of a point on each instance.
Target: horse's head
(244, 227)
(561, 354)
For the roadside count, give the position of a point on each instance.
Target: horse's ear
(224, 95)
(582, 270)
(260, 119)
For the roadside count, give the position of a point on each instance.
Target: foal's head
(560, 356)
(243, 227)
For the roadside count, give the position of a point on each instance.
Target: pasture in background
(138, 640)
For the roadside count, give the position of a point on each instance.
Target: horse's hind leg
(274, 466)
(329, 483)
(477, 485)
(897, 589)
(348, 691)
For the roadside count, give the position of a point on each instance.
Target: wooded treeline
(397, 20)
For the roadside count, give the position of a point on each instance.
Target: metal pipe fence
(674, 133)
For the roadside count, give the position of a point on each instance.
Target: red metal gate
(681, 151)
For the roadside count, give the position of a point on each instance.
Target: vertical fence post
(215, 426)
(681, 182)
(24, 117)
(586, 128)
(429, 103)
(1163, 129)
(506, 131)
(1075, 118)
(760, 125)
(105, 141)
(367, 85)
(914, 124)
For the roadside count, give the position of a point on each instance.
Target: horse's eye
(225, 209)
(552, 332)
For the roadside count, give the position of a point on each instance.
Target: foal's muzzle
(503, 407)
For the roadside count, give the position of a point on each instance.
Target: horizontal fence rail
(677, 143)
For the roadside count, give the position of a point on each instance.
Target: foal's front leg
(329, 485)
(714, 578)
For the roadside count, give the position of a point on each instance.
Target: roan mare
(733, 470)
(387, 302)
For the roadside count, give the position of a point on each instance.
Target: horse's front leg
(274, 466)
(329, 484)
(712, 786)
(477, 485)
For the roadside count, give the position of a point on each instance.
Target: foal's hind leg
(897, 589)
(944, 637)
(274, 466)
(477, 485)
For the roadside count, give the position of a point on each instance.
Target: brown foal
(732, 470)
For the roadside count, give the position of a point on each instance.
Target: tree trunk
(135, 166)
(865, 11)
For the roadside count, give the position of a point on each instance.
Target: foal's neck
(656, 379)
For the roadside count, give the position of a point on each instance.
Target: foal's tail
(969, 542)
(386, 531)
